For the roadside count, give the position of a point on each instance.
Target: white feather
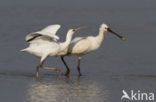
(43, 46)
(49, 31)
(80, 46)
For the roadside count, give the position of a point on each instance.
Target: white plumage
(83, 45)
(49, 31)
(43, 44)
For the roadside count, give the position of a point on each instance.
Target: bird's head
(106, 29)
(72, 31)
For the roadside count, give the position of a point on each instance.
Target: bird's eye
(74, 30)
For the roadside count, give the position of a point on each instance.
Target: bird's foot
(54, 69)
(59, 72)
(67, 73)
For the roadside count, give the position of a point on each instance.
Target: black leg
(68, 70)
(78, 66)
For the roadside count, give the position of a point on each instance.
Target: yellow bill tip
(123, 38)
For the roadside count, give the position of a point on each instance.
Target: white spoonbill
(43, 44)
(83, 45)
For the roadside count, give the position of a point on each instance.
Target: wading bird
(83, 45)
(43, 44)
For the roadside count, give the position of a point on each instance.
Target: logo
(137, 95)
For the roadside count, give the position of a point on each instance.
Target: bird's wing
(34, 36)
(79, 45)
(41, 39)
(49, 31)
(77, 39)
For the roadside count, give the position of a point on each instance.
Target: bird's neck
(65, 44)
(100, 37)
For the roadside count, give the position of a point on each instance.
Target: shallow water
(116, 66)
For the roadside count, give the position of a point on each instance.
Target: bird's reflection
(62, 89)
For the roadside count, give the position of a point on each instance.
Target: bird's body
(81, 46)
(84, 45)
(44, 45)
(43, 48)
